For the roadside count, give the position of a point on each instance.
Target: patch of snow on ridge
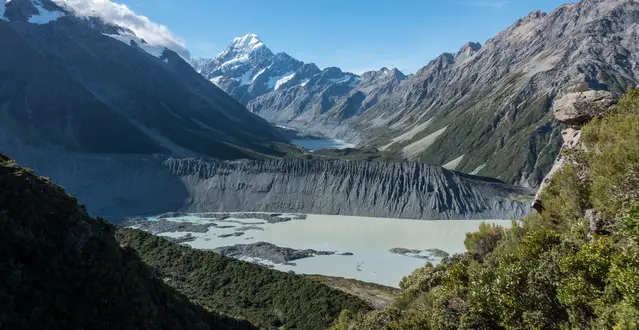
(126, 38)
(284, 80)
(479, 168)
(340, 80)
(273, 80)
(216, 80)
(119, 14)
(44, 16)
(2, 6)
(245, 79)
(258, 74)
(305, 82)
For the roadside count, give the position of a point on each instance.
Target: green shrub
(613, 156)
(485, 240)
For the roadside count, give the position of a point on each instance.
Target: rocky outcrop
(579, 108)
(574, 109)
(269, 252)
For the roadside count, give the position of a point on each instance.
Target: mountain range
(482, 110)
(131, 128)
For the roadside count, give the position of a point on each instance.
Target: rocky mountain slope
(487, 110)
(484, 109)
(84, 85)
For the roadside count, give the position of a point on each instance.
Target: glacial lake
(361, 244)
(315, 144)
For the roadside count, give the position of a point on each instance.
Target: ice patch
(272, 81)
(44, 16)
(245, 79)
(216, 80)
(231, 64)
(354, 82)
(284, 80)
(305, 82)
(258, 74)
(453, 164)
(342, 79)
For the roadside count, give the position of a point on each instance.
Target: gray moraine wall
(116, 186)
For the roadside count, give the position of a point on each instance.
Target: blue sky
(355, 35)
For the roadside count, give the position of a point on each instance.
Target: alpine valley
(142, 188)
(483, 110)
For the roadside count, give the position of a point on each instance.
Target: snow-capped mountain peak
(247, 69)
(250, 41)
(243, 48)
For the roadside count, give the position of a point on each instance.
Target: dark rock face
(87, 86)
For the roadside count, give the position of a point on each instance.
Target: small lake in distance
(315, 144)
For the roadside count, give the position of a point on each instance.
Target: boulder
(579, 108)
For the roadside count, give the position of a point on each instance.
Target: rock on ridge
(575, 109)
(579, 108)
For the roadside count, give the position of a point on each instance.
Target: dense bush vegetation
(266, 297)
(60, 269)
(575, 266)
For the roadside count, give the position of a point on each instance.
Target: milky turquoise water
(369, 239)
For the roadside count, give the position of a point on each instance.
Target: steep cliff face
(406, 190)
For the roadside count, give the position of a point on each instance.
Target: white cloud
(119, 14)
